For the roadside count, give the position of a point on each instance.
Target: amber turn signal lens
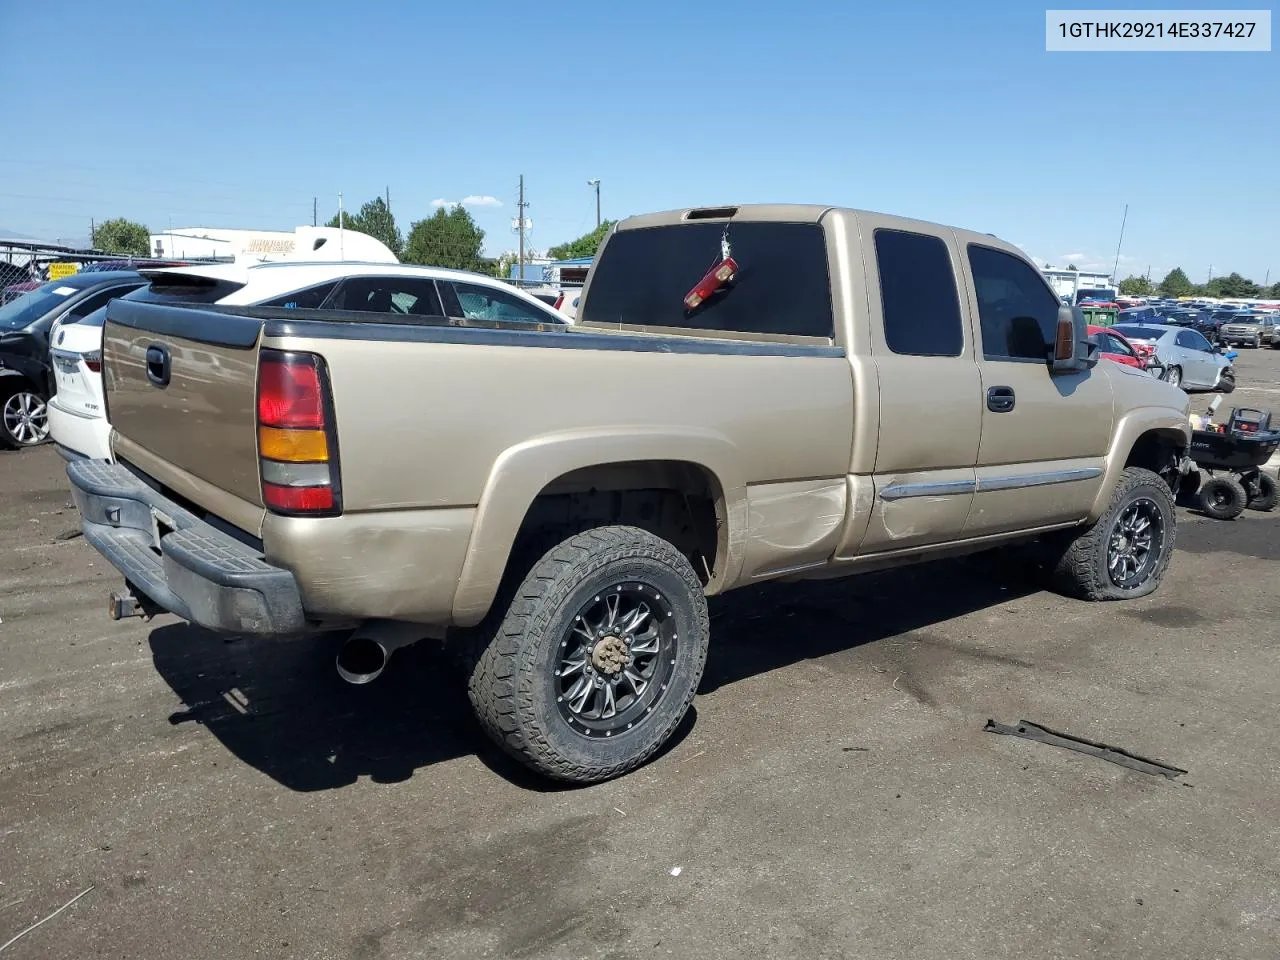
(293, 446)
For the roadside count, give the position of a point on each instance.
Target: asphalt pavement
(833, 795)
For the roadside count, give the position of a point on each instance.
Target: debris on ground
(1103, 751)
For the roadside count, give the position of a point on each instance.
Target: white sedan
(77, 416)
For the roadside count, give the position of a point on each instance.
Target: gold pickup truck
(749, 393)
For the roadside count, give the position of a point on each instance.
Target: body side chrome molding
(947, 488)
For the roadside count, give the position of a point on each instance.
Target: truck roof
(783, 212)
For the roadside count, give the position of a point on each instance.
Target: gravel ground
(834, 794)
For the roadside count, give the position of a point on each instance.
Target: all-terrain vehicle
(1232, 455)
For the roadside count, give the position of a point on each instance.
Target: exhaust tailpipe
(365, 654)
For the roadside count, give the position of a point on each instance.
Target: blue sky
(237, 113)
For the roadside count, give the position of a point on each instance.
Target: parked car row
(1229, 326)
(51, 337)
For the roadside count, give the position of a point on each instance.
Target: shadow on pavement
(281, 707)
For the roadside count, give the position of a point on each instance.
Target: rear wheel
(1263, 495)
(24, 418)
(1124, 554)
(1173, 376)
(597, 657)
(1223, 497)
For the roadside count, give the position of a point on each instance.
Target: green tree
(585, 246)
(122, 236)
(1136, 287)
(1176, 283)
(1232, 285)
(1072, 266)
(1273, 292)
(446, 239)
(375, 219)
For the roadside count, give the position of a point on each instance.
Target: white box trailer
(304, 243)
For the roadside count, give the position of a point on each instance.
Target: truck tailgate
(180, 385)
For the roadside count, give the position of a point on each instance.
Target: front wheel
(1227, 382)
(1173, 376)
(24, 419)
(1124, 554)
(597, 658)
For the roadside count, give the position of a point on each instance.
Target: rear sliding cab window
(918, 296)
(1018, 313)
(782, 285)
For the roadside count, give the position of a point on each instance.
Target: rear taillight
(93, 360)
(297, 443)
(714, 279)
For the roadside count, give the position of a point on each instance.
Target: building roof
(575, 262)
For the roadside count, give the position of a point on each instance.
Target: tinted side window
(918, 295)
(1198, 342)
(480, 302)
(1018, 313)
(100, 299)
(414, 296)
(309, 299)
(1184, 339)
(781, 287)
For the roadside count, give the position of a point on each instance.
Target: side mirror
(1072, 351)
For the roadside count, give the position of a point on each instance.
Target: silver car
(1189, 360)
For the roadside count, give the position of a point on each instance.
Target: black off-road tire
(1080, 567)
(1266, 497)
(1223, 497)
(511, 682)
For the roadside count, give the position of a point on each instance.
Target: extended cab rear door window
(782, 285)
(1018, 312)
(918, 296)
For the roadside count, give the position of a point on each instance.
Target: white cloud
(1072, 256)
(471, 200)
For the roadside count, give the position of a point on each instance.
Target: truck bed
(448, 431)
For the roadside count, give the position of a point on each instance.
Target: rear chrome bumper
(179, 561)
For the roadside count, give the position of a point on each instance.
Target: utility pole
(388, 198)
(1116, 269)
(596, 183)
(342, 254)
(313, 210)
(1210, 280)
(93, 232)
(520, 207)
